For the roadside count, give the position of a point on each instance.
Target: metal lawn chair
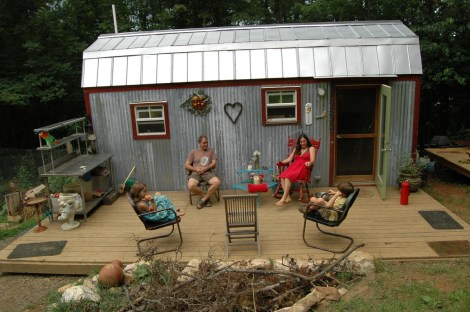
(150, 226)
(318, 219)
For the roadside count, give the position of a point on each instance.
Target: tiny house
(354, 85)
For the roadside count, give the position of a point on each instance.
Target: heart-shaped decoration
(233, 111)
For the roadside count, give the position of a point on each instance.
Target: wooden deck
(389, 230)
(455, 158)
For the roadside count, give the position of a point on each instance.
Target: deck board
(390, 231)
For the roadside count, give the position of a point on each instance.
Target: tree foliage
(43, 42)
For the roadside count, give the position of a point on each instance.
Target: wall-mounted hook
(323, 115)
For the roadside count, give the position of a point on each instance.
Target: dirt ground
(452, 190)
(21, 292)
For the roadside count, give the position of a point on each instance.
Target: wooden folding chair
(242, 221)
(150, 226)
(301, 184)
(318, 219)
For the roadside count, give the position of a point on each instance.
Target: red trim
(263, 107)
(86, 96)
(136, 136)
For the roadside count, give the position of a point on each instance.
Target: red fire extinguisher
(405, 192)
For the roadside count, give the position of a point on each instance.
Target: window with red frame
(150, 121)
(281, 105)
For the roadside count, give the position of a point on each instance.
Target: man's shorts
(206, 176)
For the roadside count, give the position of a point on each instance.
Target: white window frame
(267, 92)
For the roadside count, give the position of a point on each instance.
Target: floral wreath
(198, 103)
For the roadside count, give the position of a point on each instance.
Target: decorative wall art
(199, 103)
(233, 111)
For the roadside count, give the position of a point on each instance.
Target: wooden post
(13, 201)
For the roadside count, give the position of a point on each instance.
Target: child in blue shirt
(158, 202)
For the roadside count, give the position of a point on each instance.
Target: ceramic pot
(111, 275)
(415, 182)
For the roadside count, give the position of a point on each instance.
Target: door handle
(338, 136)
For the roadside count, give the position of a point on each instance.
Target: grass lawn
(442, 285)
(411, 286)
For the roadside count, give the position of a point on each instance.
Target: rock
(128, 279)
(223, 264)
(306, 303)
(62, 289)
(330, 293)
(130, 268)
(258, 264)
(77, 293)
(360, 263)
(342, 291)
(90, 284)
(191, 268)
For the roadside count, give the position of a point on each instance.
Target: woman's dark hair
(297, 146)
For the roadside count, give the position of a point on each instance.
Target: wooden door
(355, 133)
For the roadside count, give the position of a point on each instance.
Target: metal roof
(320, 50)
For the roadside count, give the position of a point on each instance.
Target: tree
(43, 42)
(445, 42)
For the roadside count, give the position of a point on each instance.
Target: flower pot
(415, 181)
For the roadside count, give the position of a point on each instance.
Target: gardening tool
(124, 185)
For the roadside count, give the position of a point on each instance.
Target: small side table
(37, 203)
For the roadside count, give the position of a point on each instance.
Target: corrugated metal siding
(355, 49)
(160, 163)
(401, 126)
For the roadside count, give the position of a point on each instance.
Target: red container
(405, 192)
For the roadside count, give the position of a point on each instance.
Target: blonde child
(332, 204)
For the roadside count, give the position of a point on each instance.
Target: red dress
(297, 170)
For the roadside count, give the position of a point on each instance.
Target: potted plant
(411, 170)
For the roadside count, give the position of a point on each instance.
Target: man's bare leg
(214, 185)
(193, 186)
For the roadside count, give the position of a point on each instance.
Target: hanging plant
(198, 103)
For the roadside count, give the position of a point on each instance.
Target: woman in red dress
(303, 157)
